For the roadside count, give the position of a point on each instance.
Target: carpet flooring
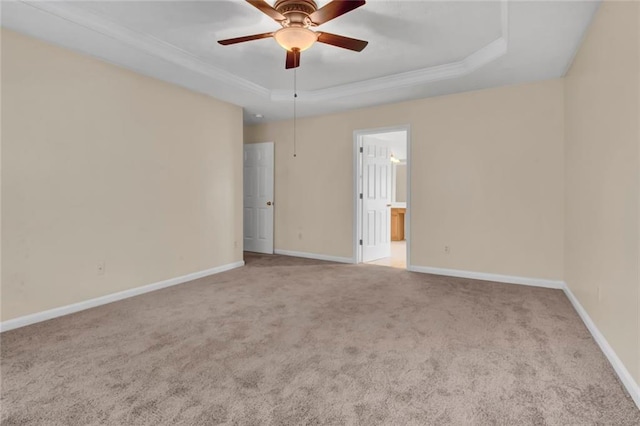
(286, 341)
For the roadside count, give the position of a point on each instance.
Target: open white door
(376, 196)
(258, 197)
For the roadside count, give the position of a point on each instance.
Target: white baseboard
(622, 372)
(314, 256)
(103, 300)
(625, 377)
(535, 282)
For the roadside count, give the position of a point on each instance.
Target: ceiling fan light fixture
(291, 38)
(296, 17)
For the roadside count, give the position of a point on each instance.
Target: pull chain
(295, 97)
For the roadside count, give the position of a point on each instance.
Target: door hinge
(360, 242)
(361, 195)
(361, 149)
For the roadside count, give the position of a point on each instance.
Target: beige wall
(602, 178)
(102, 164)
(487, 173)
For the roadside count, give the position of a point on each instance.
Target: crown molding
(489, 53)
(168, 52)
(144, 42)
(471, 63)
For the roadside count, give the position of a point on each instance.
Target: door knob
(388, 205)
(268, 203)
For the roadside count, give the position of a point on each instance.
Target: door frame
(357, 202)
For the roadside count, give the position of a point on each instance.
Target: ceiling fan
(297, 17)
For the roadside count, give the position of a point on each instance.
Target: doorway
(382, 196)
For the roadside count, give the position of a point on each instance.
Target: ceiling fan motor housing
(296, 11)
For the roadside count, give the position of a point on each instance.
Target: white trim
(476, 60)
(144, 42)
(113, 297)
(491, 52)
(407, 214)
(357, 171)
(313, 256)
(625, 377)
(623, 374)
(508, 279)
(357, 205)
(173, 54)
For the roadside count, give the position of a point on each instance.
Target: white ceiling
(416, 48)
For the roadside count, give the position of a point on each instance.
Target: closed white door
(258, 197)
(376, 199)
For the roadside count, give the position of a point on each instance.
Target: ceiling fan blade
(342, 41)
(267, 9)
(245, 38)
(334, 9)
(293, 59)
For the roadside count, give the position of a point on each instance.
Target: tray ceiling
(416, 48)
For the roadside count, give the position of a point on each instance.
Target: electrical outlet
(447, 249)
(235, 244)
(101, 267)
(299, 235)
